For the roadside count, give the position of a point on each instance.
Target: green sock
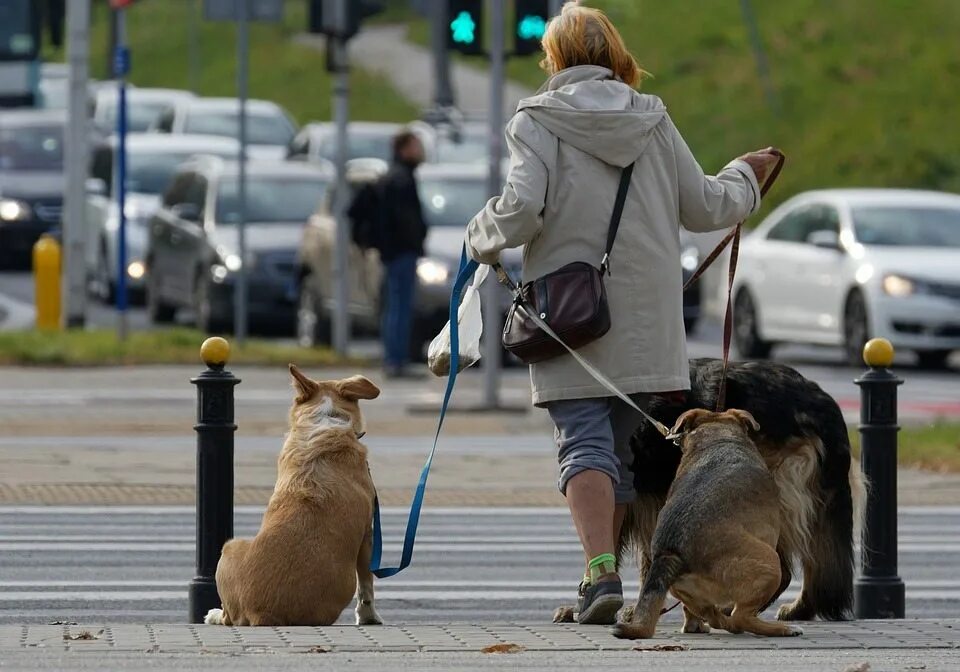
(605, 563)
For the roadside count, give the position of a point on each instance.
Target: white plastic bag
(470, 321)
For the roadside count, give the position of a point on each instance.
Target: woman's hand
(762, 162)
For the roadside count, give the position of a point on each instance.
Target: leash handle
(467, 268)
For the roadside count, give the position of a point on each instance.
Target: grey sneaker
(600, 602)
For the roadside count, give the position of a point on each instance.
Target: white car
(838, 267)
(152, 160)
(269, 127)
(143, 106)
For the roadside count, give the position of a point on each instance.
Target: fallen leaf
(857, 667)
(662, 647)
(318, 649)
(502, 648)
(62, 623)
(82, 635)
(915, 667)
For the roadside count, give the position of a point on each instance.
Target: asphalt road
(132, 564)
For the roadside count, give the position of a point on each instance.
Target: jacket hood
(590, 109)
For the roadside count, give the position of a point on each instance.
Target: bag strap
(625, 176)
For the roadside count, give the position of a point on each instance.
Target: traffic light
(465, 30)
(56, 11)
(340, 18)
(530, 23)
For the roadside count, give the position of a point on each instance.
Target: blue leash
(467, 268)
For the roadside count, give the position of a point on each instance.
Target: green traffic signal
(531, 27)
(464, 28)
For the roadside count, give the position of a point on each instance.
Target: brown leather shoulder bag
(572, 300)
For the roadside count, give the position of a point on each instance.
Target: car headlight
(897, 285)
(432, 272)
(136, 270)
(690, 258)
(12, 210)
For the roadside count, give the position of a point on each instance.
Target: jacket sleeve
(513, 218)
(708, 203)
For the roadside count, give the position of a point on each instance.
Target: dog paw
(214, 617)
(794, 612)
(564, 615)
(695, 627)
(367, 615)
(794, 631)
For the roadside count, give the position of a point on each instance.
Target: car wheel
(856, 331)
(312, 328)
(206, 313)
(932, 359)
(159, 311)
(746, 336)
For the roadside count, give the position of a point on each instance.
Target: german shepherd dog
(803, 440)
(715, 542)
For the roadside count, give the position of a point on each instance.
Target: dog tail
(834, 530)
(664, 571)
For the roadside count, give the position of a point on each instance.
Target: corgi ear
(357, 387)
(305, 387)
(746, 419)
(688, 422)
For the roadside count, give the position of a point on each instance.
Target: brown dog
(314, 545)
(715, 544)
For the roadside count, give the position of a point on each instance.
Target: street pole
(341, 111)
(121, 67)
(240, 293)
(763, 67)
(76, 152)
(556, 6)
(492, 315)
(443, 89)
(193, 38)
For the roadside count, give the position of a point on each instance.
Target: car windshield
(361, 146)
(150, 173)
(270, 199)
(472, 148)
(261, 129)
(140, 114)
(452, 201)
(31, 148)
(907, 226)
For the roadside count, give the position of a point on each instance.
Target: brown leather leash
(734, 238)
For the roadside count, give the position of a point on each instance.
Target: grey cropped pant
(594, 434)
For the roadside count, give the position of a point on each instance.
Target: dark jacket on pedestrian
(399, 217)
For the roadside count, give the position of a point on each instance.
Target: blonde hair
(585, 36)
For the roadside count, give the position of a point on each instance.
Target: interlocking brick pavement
(464, 638)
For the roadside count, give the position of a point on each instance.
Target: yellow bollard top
(215, 351)
(878, 353)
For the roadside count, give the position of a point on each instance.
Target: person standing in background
(401, 233)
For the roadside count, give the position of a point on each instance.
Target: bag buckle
(605, 264)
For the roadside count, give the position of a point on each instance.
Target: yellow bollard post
(46, 279)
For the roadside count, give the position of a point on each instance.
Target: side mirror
(96, 186)
(188, 212)
(827, 240)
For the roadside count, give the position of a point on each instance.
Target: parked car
(192, 250)
(316, 141)
(152, 161)
(451, 195)
(143, 106)
(837, 267)
(31, 181)
(468, 142)
(269, 127)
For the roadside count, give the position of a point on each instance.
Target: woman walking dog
(569, 146)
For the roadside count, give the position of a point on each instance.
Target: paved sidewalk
(900, 645)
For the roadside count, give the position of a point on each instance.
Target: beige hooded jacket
(567, 146)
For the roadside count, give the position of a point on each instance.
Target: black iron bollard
(215, 428)
(879, 592)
